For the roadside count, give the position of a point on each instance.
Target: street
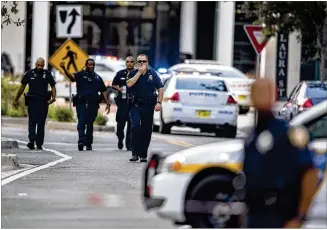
(92, 189)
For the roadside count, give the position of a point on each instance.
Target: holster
(77, 99)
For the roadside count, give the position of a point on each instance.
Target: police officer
(143, 84)
(122, 115)
(38, 100)
(87, 100)
(280, 176)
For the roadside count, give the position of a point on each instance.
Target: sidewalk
(16, 158)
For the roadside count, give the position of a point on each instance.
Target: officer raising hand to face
(143, 84)
(280, 176)
(88, 86)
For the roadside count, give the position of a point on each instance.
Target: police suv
(238, 82)
(184, 180)
(198, 101)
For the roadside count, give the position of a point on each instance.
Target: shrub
(51, 112)
(9, 88)
(62, 114)
(101, 119)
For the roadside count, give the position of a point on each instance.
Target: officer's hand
(108, 108)
(15, 104)
(51, 101)
(293, 224)
(157, 108)
(142, 69)
(62, 64)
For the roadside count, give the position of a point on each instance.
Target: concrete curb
(10, 160)
(73, 127)
(14, 120)
(8, 144)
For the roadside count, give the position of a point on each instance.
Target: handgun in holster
(76, 99)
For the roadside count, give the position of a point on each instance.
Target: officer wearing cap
(88, 85)
(122, 115)
(144, 84)
(280, 175)
(37, 100)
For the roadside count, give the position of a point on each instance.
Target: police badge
(44, 75)
(150, 77)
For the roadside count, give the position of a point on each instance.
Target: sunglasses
(142, 61)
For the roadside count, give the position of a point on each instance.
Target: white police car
(211, 173)
(238, 82)
(204, 102)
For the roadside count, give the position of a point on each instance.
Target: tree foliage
(8, 9)
(288, 16)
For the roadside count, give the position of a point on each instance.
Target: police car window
(316, 90)
(102, 68)
(319, 128)
(166, 83)
(201, 84)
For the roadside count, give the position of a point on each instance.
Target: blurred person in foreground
(280, 176)
(123, 106)
(37, 100)
(144, 84)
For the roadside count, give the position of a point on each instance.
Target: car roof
(204, 67)
(200, 76)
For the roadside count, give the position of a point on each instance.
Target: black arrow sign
(74, 15)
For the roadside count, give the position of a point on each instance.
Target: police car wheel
(206, 207)
(164, 128)
(244, 110)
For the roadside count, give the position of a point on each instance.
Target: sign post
(258, 42)
(69, 24)
(73, 56)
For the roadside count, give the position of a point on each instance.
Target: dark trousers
(37, 115)
(122, 116)
(265, 220)
(86, 114)
(141, 122)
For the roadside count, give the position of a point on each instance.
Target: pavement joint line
(30, 171)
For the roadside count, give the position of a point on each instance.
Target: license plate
(241, 97)
(203, 114)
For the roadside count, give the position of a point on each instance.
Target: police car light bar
(204, 62)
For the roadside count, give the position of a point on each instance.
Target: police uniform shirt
(89, 84)
(274, 163)
(120, 80)
(145, 86)
(38, 82)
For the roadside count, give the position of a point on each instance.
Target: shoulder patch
(298, 136)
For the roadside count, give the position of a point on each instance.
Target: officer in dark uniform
(38, 100)
(88, 86)
(143, 84)
(122, 115)
(280, 175)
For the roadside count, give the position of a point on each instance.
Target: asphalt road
(93, 189)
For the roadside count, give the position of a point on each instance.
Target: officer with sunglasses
(143, 85)
(122, 102)
(37, 100)
(88, 85)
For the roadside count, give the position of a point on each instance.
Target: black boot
(134, 158)
(30, 145)
(120, 144)
(89, 147)
(80, 146)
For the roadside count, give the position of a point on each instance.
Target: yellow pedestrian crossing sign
(73, 56)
